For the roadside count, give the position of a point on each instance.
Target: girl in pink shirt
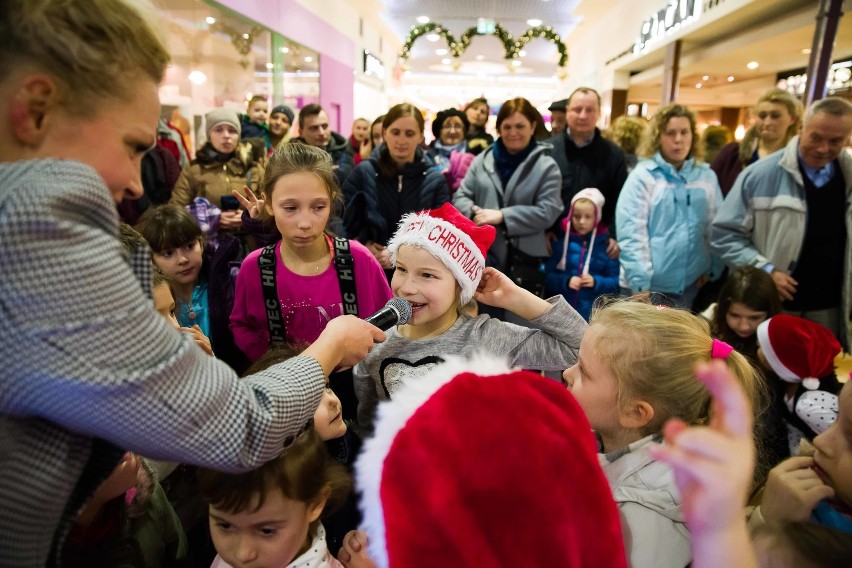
(299, 190)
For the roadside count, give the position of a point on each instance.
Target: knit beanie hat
(283, 109)
(443, 115)
(798, 350)
(492, 468)
(452, 238)
(220, 115)
(596, 197)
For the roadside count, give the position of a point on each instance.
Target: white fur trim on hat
(447, 243)
(775, 363)
(392, 418)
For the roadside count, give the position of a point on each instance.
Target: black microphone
(396, 312)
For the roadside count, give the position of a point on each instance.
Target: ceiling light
(730, 78)
(308, 59)
(246, 36)
(285, 50)
(197, 77)
(705, 77)
(533, 22)
(522, 53)
(480, 57)
(441, 51)
(446, 61)
(753, 65)
(517, 63)
(210, 20)
(269, 65)
(806, 50)
(697, 85)
(433, 37)
(422, 19)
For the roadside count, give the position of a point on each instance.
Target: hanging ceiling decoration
(511, 46)
(242, 41)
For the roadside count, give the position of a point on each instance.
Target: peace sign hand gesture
(250, 202)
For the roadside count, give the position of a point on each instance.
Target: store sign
(666, 20)
(373, 65)
(839, 79)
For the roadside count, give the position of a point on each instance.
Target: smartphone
(229, 203)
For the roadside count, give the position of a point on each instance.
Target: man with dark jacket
(586, 159)
(314, 130)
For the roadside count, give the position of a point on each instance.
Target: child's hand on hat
(496, 289)
(793, 489)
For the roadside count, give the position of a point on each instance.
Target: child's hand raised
(713, 465)
(713, 470)
(200, 339)
(250, 202)
(353, 553)
(793, 489)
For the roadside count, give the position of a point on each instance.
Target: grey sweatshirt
(551, 347)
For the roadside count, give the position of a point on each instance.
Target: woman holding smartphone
(222, 165)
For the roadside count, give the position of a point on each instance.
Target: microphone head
(401, 307)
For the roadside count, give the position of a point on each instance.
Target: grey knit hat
(284, 109)
(220, 115)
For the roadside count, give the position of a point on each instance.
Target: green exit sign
(485, 26)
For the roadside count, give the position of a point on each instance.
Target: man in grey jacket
(789, 214)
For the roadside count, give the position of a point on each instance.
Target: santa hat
(798, 350)
(596, 197)
(452, 238)
(497, 468)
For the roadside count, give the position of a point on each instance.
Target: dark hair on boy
(255, 99)
(303, 472)
(807, 545)
(274, 355)
(167, 227)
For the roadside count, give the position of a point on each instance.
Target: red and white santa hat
(452, 238)
(798, 350)
(492, 468)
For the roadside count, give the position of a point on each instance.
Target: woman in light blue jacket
(664, 212)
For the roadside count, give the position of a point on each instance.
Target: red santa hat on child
(798, 350)
(452, 238)
(497, 468)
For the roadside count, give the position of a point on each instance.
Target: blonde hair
(93, 48)
(651, 140)
(627, 132)
(652, 352)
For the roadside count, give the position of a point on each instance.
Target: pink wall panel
(337, 52)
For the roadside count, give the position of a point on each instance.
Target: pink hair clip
(720, 350)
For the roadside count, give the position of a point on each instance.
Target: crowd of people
(618, 354)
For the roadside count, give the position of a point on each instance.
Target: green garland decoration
(511, 47)
(547, 33)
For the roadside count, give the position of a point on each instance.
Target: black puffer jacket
(375, 203)
(599, 164)
(338, 149)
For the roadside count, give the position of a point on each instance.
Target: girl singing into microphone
(439, 266)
